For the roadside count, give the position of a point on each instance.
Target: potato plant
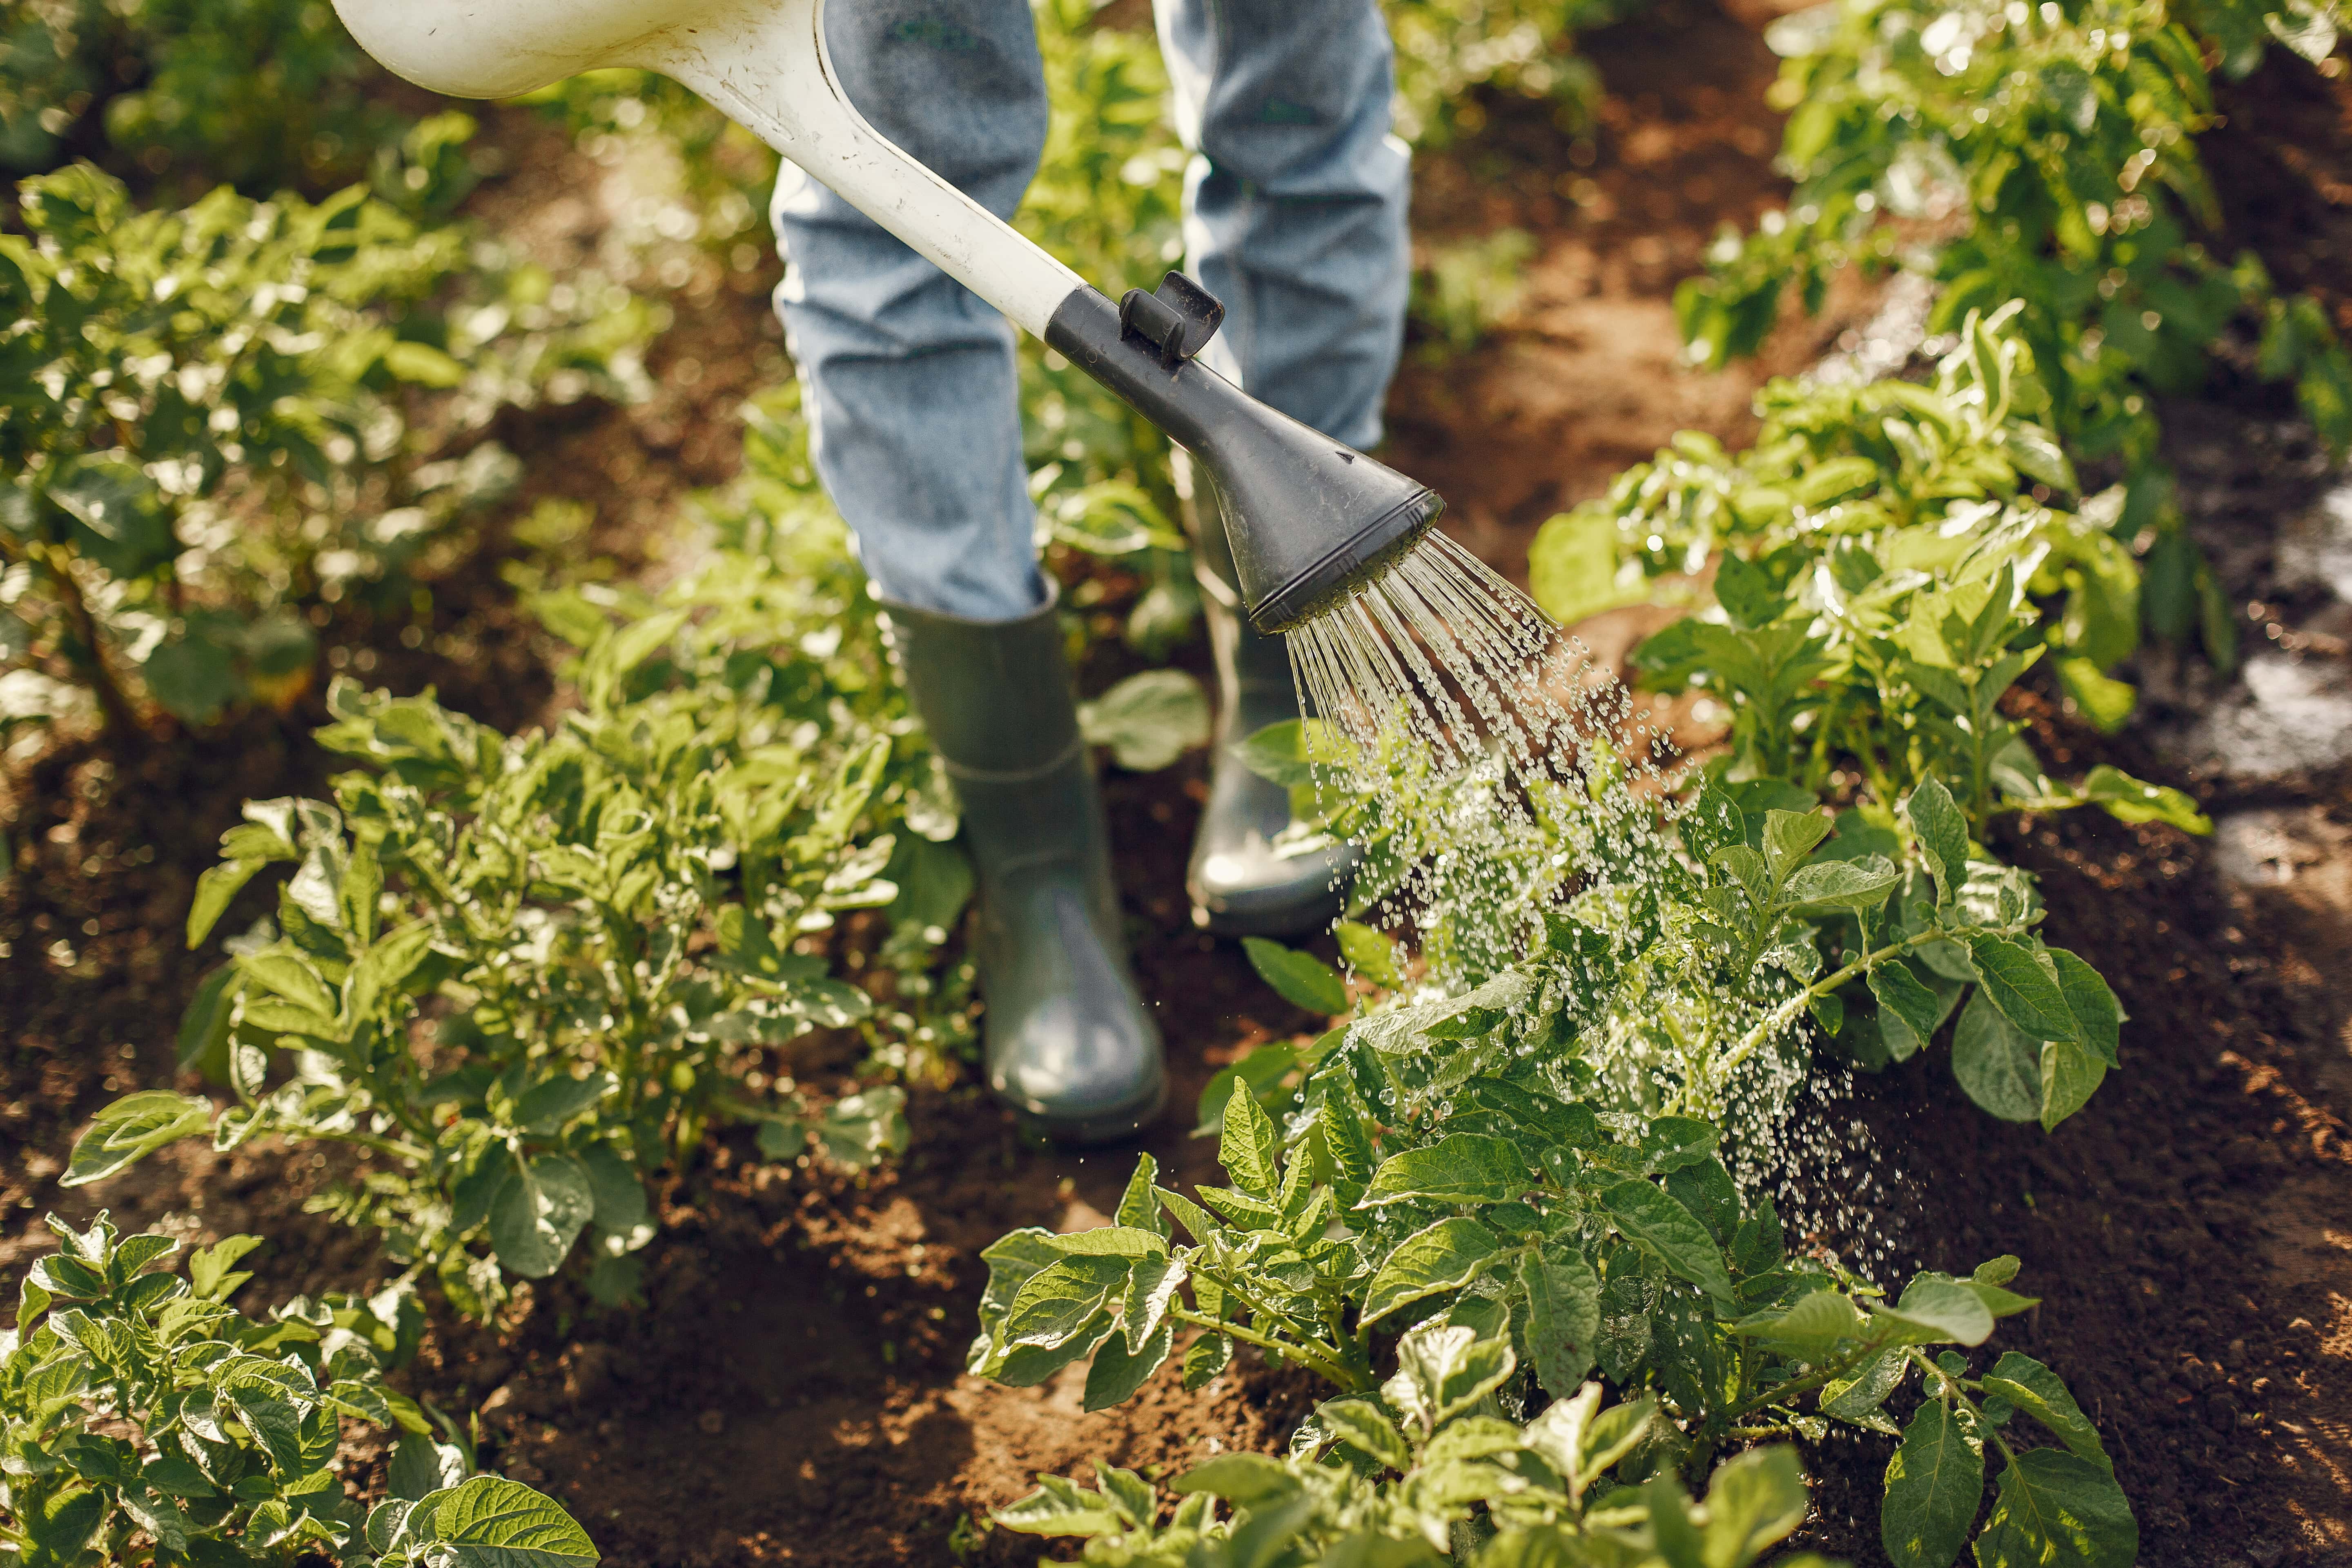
(1429, 1469)
(212, 418)
(143, 1420)
(1883, 574)
(2048, 155)
(519, 974)
(2057, 148)
(1530, 1234)
(147, 74)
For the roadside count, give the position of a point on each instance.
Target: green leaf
(204, 1026)
(1996, 1063)
(1674, 1142)
(215, 889)
(1370, 953)
(1250, 1147)
(1858, 1399)
(1752, 1501)
(1904, 994)
(1934, 1484)
(2014, 979)
(1151, 1288)
(2052, 1508)
(1828, 885)
(536, 1214)
(421, 1466)
(2098, 1016)
(1563, 1317)
(2070, 1076)
(2042, 1394)
(1713, 821)
(489, 1521)
(1118, 1372)
(1342, 1121)
(1302, 979)
(209, 1275)
(1131, 1243)
(282, 973)
(624, 1220)
(61, 1522)
(1937, 1312)
(1444, 1369)
(1209, 1355)
(548, 1105)
(1673, 1534)
(1139, 1209)
(132, 1129)
(1445, 1257)
(2133, 800)
(1242, 1478)
(1060, 1507)
(1147, 721)
(1789, 836)
(1366, 1427)
(1658, 1223)
(1060, 1300)
(2107, 702)
(1462, 1168)
(1812, 1326)
(1942, 835)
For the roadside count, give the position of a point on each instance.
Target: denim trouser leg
(913, 396)
(1296, 198)
(1297, 222)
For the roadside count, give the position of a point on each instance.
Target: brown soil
(792, 1390)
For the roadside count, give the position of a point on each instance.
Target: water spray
(1309, 519)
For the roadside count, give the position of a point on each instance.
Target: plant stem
(1781, 1017)
(1312, 1356)
(397, 1148)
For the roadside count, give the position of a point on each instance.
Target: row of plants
(2045, 155)
(221, 419)
(523, 979)
(144, 1420)
(1540, 1167)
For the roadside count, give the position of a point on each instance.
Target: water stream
(1499, 775)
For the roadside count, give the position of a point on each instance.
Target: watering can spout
(1308, 518)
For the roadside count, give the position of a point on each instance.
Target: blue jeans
(1295, 218)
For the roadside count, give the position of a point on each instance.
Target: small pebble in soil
(712, 1422)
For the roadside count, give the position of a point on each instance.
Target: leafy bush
(1883, 569)
(2046, 155)
(150, 72)
(1446, 49)
(1501, 1225)
(1463, 292)
(214, 417)
(144, 1420)
(520, 973)
(1470, 1486)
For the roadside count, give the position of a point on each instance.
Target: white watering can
(1308, 518)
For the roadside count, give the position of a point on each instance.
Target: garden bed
(793, 1389)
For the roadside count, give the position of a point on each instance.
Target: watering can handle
(761, 62)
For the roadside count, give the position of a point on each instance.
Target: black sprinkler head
(1307, 519)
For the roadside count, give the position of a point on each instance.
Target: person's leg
(1296, 219)
(914, 401)
(912, 392)
(1297, 197)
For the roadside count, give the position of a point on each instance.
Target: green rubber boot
(1241, 884)
(1070, 1044)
